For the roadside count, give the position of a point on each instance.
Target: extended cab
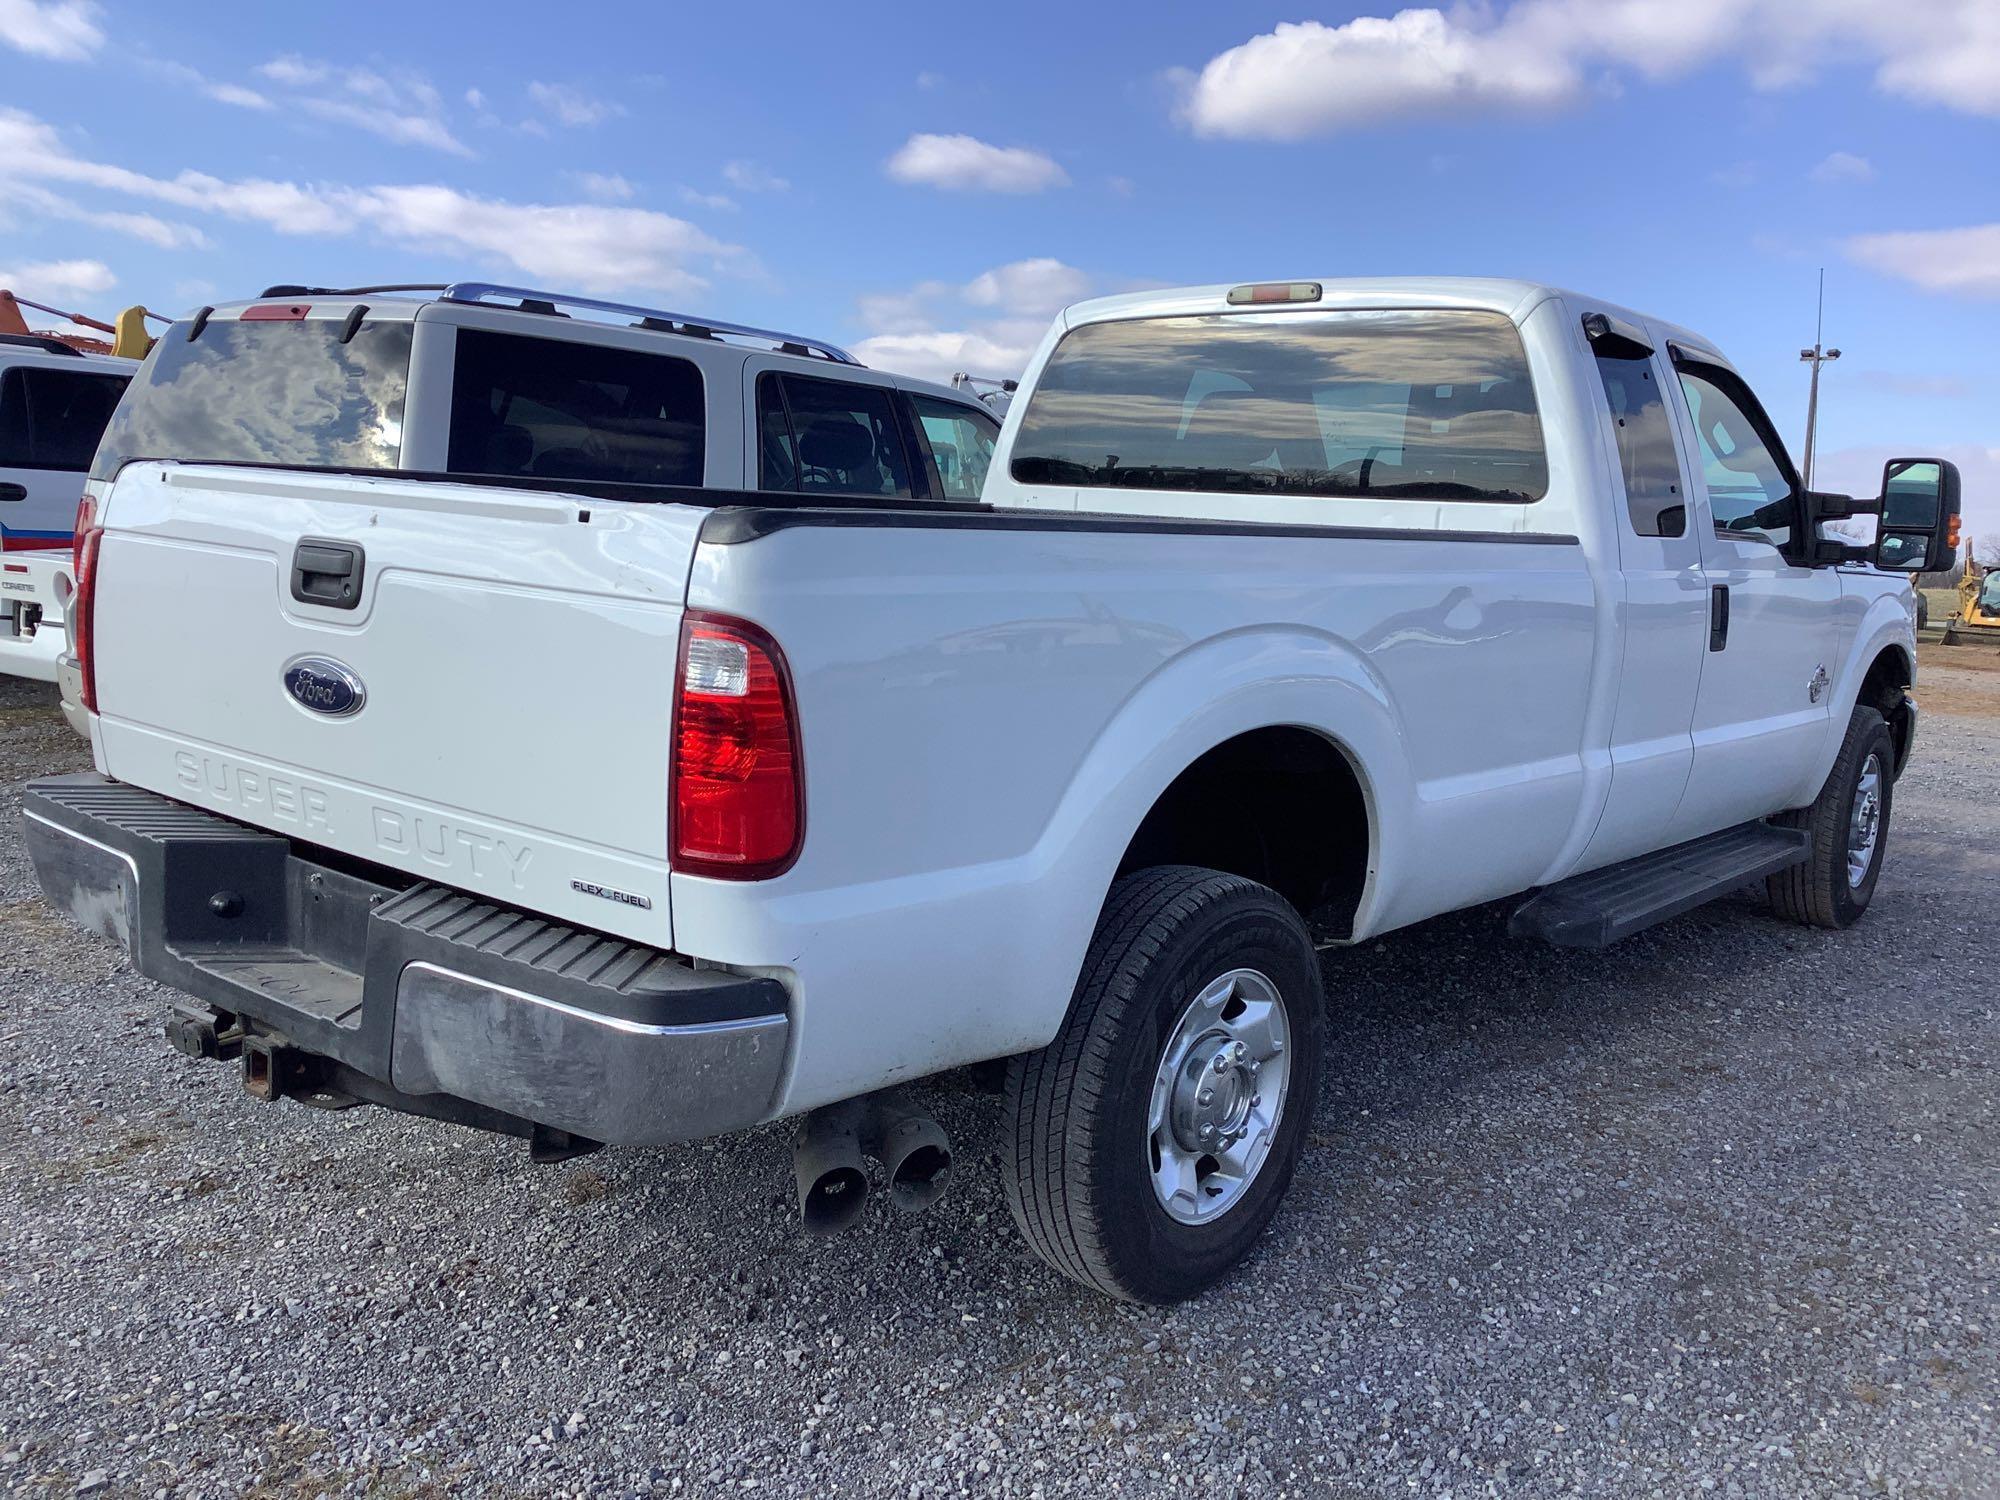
(596, 807)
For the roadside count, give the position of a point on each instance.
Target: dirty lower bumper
(430, 992)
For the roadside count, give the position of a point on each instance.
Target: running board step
(1597, 909)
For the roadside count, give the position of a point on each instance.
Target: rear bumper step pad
(1597, 909)
(428, 991)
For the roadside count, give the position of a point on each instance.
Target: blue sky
(929, 189)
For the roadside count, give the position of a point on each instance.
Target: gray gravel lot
(1716, 1211)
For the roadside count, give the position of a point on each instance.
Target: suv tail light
(738, 790)
(83, 601)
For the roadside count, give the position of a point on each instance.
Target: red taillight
(82, 612)
(738, 792)
(86, 517)
(275, 312)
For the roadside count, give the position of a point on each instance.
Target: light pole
(1815, 356)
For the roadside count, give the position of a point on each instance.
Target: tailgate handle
(328, 573)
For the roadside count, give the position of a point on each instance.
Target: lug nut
(1206, 1096)
(1221, 1063)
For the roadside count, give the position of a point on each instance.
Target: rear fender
(1224, 687)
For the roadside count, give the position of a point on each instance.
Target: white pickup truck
(629, 804)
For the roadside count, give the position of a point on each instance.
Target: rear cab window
(1404, 404)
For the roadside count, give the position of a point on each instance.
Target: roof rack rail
(47, 343)
(479, 292)
(288, 290)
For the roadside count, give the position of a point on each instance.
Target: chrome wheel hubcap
(1218, 1096)
(1864, 822)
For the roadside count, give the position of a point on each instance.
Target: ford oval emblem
(325, 686)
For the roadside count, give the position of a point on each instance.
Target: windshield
(1989, 593)
(280, 392)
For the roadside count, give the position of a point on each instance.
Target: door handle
(1718, 616)
(13, 492)
(327, 573)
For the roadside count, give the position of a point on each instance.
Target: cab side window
(961, 443)
(1646, 454)
(1751, 490)
(832, 436)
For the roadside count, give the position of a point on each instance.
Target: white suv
(490, 383)
(482, 380)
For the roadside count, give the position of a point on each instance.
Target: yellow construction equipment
(129, 338)
(1978, 617)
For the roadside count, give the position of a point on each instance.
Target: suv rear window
(52, 419)
(276, 392)
(553, 409)
(1410, 403)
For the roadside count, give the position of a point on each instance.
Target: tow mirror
(1919, 529)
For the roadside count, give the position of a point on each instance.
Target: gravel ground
(1715, 1211)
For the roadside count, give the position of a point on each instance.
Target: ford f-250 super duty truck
(625, 811)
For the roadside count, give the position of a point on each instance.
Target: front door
(1761, 710)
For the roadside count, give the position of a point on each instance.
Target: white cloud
(402, 106)
(718, 201)
(998, 353)
(1037, 288)
(964, 163)
(57, 280)
(605, 187)
(1843, 166)
(65, 30)
(749, 177)
(588, 246)
(476, 98)
(166, 234)
(236, 94)
(405, 130)
(571, 106)
(1965, 261)
(296, 71)
(1306, 78)
(1003, 314)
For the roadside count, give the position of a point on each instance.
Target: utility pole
(1815, 356)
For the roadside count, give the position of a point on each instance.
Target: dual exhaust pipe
(829, 1151)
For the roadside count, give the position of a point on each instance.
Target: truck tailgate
(515, 652)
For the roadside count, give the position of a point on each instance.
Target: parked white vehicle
(1293, 614)
(54, 402)
(525, 392)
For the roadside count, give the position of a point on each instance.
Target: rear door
(1665, 607)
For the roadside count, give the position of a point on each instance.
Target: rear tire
(1849, 827)
(1146, 1148)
